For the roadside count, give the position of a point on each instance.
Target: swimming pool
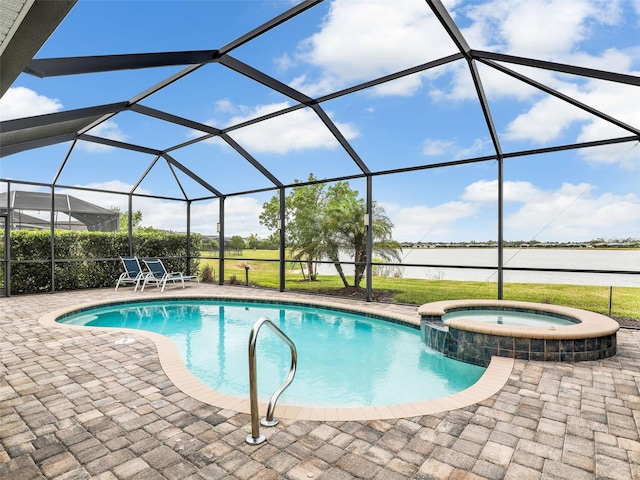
(344, 360)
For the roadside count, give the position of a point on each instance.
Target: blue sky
(421, 119)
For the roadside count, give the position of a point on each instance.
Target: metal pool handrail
(256, 438)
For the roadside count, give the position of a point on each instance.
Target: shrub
(89, 259)
(207, 275)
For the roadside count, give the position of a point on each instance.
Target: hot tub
(578, 335)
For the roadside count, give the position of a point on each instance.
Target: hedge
(90, 259)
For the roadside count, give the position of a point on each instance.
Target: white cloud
(573, 211)
(349, 47)
(570, 212)
(241, 216)
(451, 149)
(564, 216)
(225, 106)
(295, 131)
(545, 121)
(415, 222)
(22, 102)
(626, 155)
(549, 118)
(548, 29)
(284, 63)
(552, 30)
(434, 148)
(486, 191)
(621, 102)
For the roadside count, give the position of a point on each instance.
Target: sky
(418, 120)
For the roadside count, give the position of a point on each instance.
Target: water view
(581, 259)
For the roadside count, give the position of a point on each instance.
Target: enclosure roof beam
(340, 138)
(64, 162)
(264, 79)
(521, 153)
(176, 178)
(144, 175)
(394, 76)
(165, 83)
(54, 67)
(115, 143)
(59, 117)
(148, 92)
(573, 146)
(196, 178)
(167, 117)
(559, 67)
(251, 160)
(51, 67)
(561, 96)
(450, 26)
(265, 27)
(484, 104)
(454, 32)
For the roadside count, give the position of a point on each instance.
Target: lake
(581, 259)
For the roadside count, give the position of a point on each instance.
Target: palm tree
(322, 223)
(344, 230)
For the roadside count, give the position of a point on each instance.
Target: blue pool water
(344, 360)
(508, 317)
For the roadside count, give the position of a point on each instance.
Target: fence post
(610, 298)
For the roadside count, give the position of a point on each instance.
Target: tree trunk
(312, 274)
(338, 265)
(359, 270)
(360, 258)
(304, 277)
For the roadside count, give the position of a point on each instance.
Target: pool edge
(491, 382)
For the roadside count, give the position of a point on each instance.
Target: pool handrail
(255, 437)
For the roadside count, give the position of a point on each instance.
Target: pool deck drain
(74, 405)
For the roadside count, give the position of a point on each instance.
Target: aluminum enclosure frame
(34, 132)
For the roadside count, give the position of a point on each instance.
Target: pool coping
(492, 381)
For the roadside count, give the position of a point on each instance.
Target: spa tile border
(592, 336)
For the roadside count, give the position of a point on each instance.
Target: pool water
(508, 317)
(344, 360)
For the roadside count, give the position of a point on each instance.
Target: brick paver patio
(75, 405)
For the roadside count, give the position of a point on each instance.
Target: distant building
(80, 214)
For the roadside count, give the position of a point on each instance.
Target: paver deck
(76, 405)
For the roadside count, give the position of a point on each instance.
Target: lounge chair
(132, 272)
(158, 274)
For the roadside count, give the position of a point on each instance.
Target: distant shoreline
(528, 247)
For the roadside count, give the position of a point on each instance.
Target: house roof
(95, 217)
(24, 27)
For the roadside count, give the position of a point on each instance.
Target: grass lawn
(625, 300)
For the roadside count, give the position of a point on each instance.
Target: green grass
(626, 300)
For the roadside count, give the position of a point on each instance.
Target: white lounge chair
(159, 276)
(132, 272)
